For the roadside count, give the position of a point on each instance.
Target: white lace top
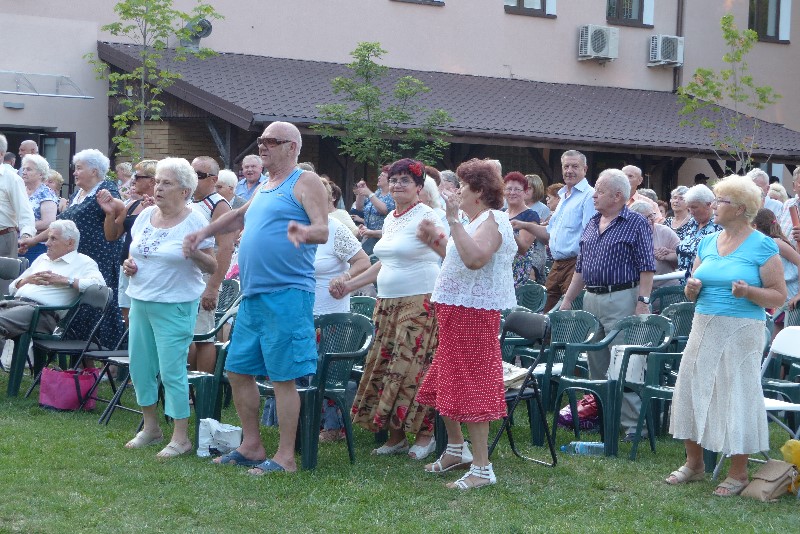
(492, 286)
(331, 261)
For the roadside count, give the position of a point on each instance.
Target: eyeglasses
(513, 190)
(271, 142)
(652, 217)
(721, 201)
(137, 176)
(203, 175)
(401, 181)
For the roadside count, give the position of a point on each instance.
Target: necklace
(478, 214)
(405, 210)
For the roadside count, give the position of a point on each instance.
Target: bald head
(28, 147)
(634, 175)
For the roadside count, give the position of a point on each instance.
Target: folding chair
(534, 329)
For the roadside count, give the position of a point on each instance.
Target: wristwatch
(646, 300)
(70, 281)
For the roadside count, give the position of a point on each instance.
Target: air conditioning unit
(598, 42)
(666, 50)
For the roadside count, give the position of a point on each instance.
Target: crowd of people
(444, 252)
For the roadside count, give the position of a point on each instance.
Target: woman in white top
(465, 381)
(405, 325)
(165, 287)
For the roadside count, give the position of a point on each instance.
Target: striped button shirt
(618, 254)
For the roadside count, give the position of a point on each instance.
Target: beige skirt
(718, 400)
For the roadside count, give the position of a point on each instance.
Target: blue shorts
(274, 336)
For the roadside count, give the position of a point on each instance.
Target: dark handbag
(67, 390)
(775, 478)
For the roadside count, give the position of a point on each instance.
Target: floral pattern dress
(533, 260)
(42, 194)
(687, 249)
(88, 216)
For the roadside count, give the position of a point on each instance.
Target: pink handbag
(67, 390)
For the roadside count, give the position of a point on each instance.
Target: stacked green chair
(531, 295)
(681, 314)
(642, 334)
(363, 304)
(662, 297)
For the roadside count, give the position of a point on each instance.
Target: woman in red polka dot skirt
(465, 380)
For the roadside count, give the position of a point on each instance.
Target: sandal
(329, 436)
(398, 448)
(143, 440)
(731, 487)
(420, 452)
(173, 450)
(460, 451)
(483, 473)
(684, 475)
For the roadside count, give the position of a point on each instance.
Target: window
(423, 2)
(770, 19)
(630, 12)
(532, 8)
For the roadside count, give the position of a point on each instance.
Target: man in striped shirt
(616, 265)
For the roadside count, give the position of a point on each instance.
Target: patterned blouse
(682, 230)
(42, 194)
(373, 220)
(687, 249)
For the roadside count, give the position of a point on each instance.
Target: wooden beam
(716, 168)
(538, 157)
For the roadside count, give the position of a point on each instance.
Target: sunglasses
(271, 142)
(137, 176)
(203, 175)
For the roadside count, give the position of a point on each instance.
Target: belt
(565, 259)
(600, 290)
(30, 301)
(7, 230)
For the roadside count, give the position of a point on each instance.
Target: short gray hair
(618, 181)
(68, 230)
(182, 170)
(94, 159)
(433, 192)
(449, 176)
(227, 177)
(642, 208)
(253, 156)
(699, 193)
(755, 174)
(574, 154)
(124, 167)
(680, 190)
(649, 193)
(3, 143)
(307, 166)
(39, 162)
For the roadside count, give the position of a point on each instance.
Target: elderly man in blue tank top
(283, 222)
(616, 264)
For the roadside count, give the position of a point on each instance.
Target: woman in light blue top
(718, 402)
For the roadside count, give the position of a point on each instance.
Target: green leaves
(734, 87)
(150, 24)
(374, 127)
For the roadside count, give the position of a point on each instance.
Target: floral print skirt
(405, 341)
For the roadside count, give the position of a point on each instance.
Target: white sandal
(485, 473)
(420, 452)
(398, 448)
(459, 451)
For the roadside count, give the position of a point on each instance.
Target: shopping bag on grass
(217, 438)
(66, 389)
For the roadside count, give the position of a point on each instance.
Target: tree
(374, 132)
(149, 24)
(733, 137)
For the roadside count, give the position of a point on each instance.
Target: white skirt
(718, 400)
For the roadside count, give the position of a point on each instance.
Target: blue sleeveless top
(268, 261)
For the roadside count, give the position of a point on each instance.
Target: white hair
(253, 157)
(699, 193)
(642, 208)
(227, 177)
(617, 180)
(433, 192)
(68, 230)
(757, 174)
(94, 159)
(181, 170)
(39, 162)
(3, 144)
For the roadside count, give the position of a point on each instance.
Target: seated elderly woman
(664, 243)
(718, 402)
(165, 287)
(698, 200)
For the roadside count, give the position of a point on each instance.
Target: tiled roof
(248, 90)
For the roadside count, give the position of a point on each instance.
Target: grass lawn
(62, 472)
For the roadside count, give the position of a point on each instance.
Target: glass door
(58, 149)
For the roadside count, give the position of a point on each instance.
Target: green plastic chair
(344, 339)
(644, 334)
(662, 297)
(681, 314)
(229, 295)
(531, 295)
(658, 385)
(363, 304)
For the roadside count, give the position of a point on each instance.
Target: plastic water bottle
(587, 448)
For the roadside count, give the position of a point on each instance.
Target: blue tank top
(268, 261)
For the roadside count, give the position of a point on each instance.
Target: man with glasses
(286, 218)
(251, 168)
(212, 206)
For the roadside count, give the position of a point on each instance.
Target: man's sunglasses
(271, 142)
(203, 175)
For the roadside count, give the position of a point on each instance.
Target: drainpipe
(677, 73)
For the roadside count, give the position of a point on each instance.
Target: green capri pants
(158, 342)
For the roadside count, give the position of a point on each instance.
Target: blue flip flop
(267, 466)
(236, 458)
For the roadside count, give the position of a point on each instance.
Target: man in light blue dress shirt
(251, 168)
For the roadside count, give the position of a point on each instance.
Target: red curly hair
(483, 178)
(516, 176)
